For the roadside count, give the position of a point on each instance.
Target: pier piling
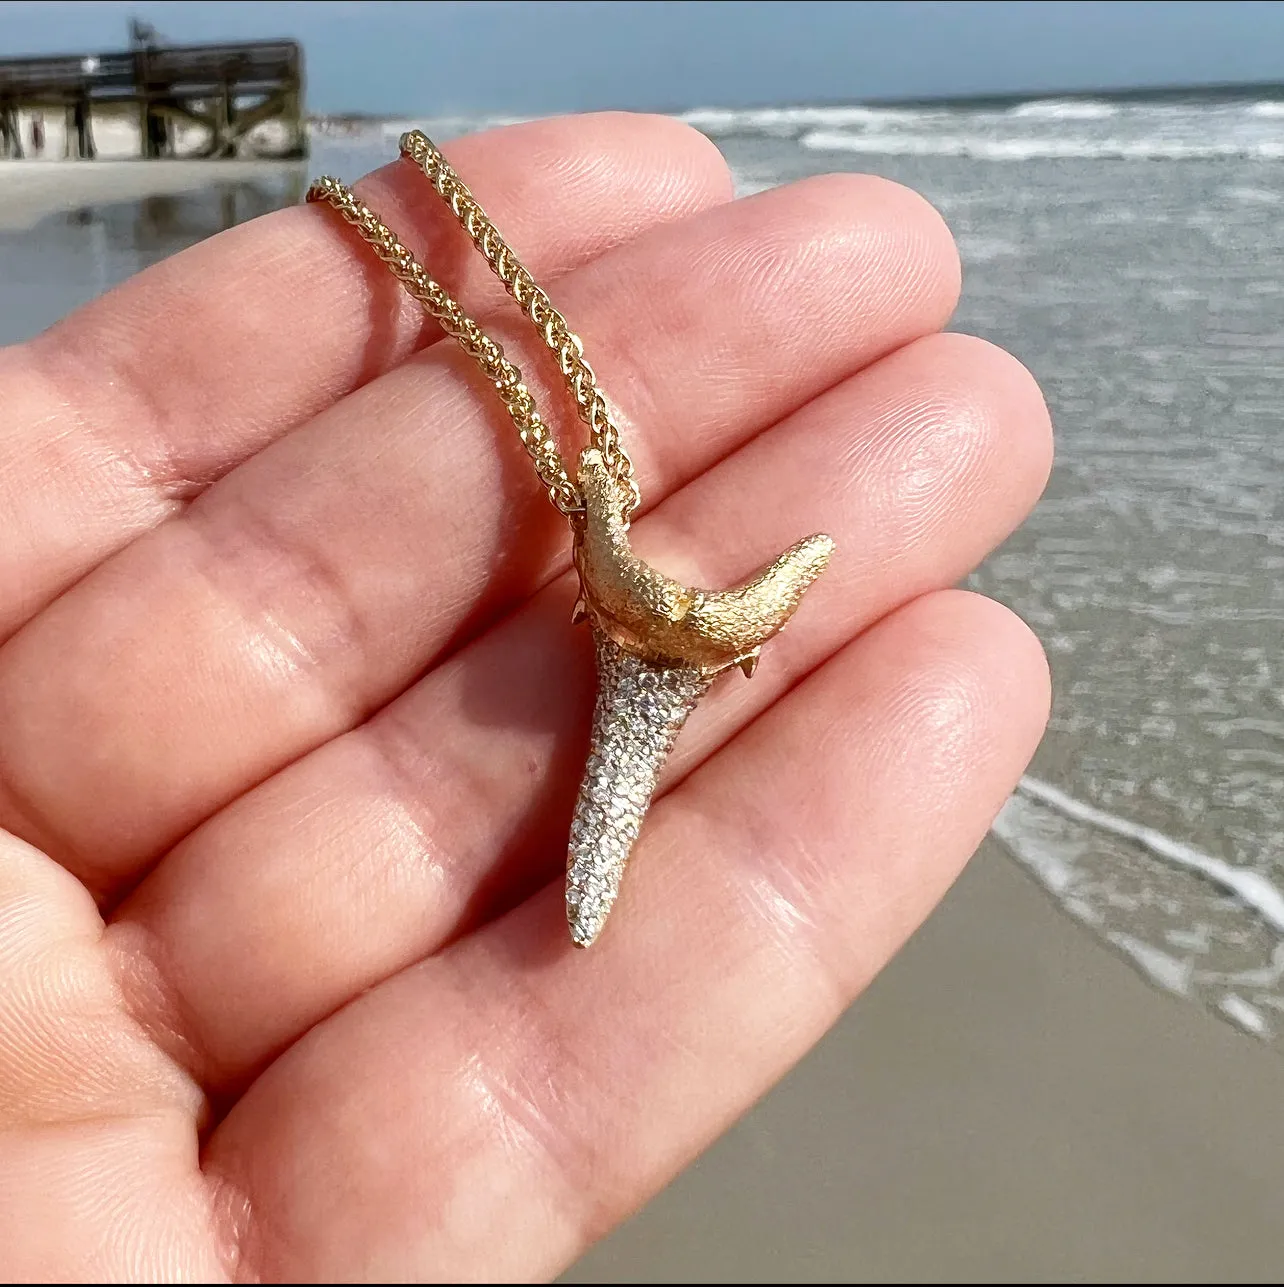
(214, 94)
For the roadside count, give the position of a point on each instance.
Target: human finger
(453, 803)
(313, 583)
(120, 414)
(499, 1107)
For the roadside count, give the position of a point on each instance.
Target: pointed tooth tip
(579, 612)
(822, 546)
(749, 664)
(583, 932)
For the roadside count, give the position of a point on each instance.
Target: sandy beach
(1011, 1101)
(1008, 1102)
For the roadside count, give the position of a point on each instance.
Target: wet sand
(1008, 1102)
(34, 189)
(71, 230)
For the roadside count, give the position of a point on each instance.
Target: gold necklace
(659, 644)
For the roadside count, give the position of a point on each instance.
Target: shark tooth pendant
(659, 647)
(660, 644)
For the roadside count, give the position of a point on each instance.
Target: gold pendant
(660, 645)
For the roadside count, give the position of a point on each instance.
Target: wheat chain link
(437, 302)
(532, 299)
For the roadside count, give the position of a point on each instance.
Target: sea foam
(988, 147)
(1068, 863)
(1252, 889)
(1064, 109)
(792, 120)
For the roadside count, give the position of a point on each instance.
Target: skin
(292, 714)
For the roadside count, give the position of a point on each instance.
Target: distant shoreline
(1215, 92)
(1220, 92)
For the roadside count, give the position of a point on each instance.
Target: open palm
(292, 713)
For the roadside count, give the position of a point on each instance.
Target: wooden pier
(212, 94)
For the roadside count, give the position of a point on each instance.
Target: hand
(292, 714)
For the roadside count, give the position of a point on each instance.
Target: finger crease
(264, 573)
(778, 882)
(62, 369)
(540, 1103)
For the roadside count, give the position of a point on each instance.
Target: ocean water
(1131, 253)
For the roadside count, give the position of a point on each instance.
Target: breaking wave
(1064, 109)
(1070, 847)
(792, 120)
(980, 147)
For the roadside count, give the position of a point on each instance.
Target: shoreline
(1008, 1102)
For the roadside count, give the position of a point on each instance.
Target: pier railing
(226, 90)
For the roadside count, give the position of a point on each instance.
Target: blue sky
(541, 57)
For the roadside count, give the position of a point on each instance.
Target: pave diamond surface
(640, 708)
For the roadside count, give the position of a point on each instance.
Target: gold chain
(531, 298)
(437, 302)
(659, 643)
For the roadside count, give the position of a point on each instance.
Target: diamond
(640, 708)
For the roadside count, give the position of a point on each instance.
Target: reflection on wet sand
(71, 249)
(160, 225)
